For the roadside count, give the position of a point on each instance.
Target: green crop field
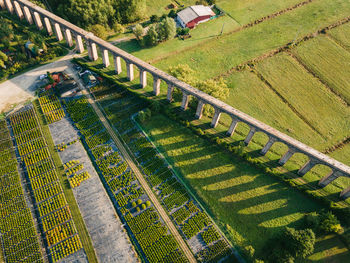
(308, 97)
(328, 60)
(341, 35)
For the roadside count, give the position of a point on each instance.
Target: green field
(341, 34)
(342, 154)
(247, 11)
(160, 7)
(307, 96)
(329, 61)
(246, 202)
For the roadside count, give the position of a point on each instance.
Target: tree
(129, 11)
(172, 13)
(152, 36)
(133, 204)
(138, 31)
(183, 72)
(98, 30)
(139, 201)
(85, 13)
(148, 203)
(118, 28)
(143, 206)
(154, 18)
(299, 243)
(169, 28)
(329, 223)
(138, 209)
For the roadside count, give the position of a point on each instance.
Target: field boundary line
(249, 25)
(283, 48)
(337, 146)
(268, 84)
(336, 41)
(301, 63)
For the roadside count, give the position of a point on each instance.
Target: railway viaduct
(54, 24)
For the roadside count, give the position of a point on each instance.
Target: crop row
(46, 189)
(18, 235)
(28, 136)
(77, 179)
(51, 107)
(31, 146)
(119, 182)
(65, 248)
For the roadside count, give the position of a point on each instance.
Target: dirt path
(140, 177)
(22, 88)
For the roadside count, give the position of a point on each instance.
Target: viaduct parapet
(63, 29)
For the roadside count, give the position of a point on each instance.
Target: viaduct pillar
(199, 111)
(92, 50)
(143, 78)
(130, 70)
(9, 6)
(68, 36)
(233, 127)
(268, 145)
(216, 118)
(329, 178)
(37, 20)
(117, 65)
(156, 85)
(79, 43)
(18, 10)
(184, 103)
(105, 57)
(169, 95)
(286, 156)
(250, 135)
(28, 15)
(58, 31)
(307, 167)
(48, 26)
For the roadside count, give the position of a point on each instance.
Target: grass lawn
(329, 61)
(245, 11)
(68, 192)
(218, 55)
(329, 249)
(308, 96)
(342, 154)
(247, 203)
(160, 7)
(341, 34)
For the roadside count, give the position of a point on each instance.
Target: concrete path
(108, 236)
(22, 88)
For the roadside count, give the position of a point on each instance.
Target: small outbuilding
(194, 15)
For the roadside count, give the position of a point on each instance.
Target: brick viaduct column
(130, 70)
(9, 6)
(68, 37)
(27, 15)
(169, 95)
(117, 64)
(329, 178)
(233, 126)
(79, 43)
(48, 25)
(156, 85)
(143, 78)
(184, 102)
(2, 4)
(216, 118)
(307, 167)
(37, 20)
(105, 57)
(92, 50)
(250, 135)
(18, 10)
(58, 31)
(200, 107)
(287, 156)
(268, 145)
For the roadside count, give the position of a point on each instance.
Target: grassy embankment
(68, 192)
(247, 203)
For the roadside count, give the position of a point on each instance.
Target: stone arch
(295, 157)
(326, 173)
(278, 149)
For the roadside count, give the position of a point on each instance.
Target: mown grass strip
(78, 220)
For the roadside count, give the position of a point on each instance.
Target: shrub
(148, 203)
(139, 201)
(133, 204)
(143, 206)
(118, 28)
(138, 209)
(172, 13)
(154, 18)
(98, 30)
(329, 223)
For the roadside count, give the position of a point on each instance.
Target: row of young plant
(171, 192)
(51, 106)
(19, 240)
(45, 187)
(74, 178)
(124, 189)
